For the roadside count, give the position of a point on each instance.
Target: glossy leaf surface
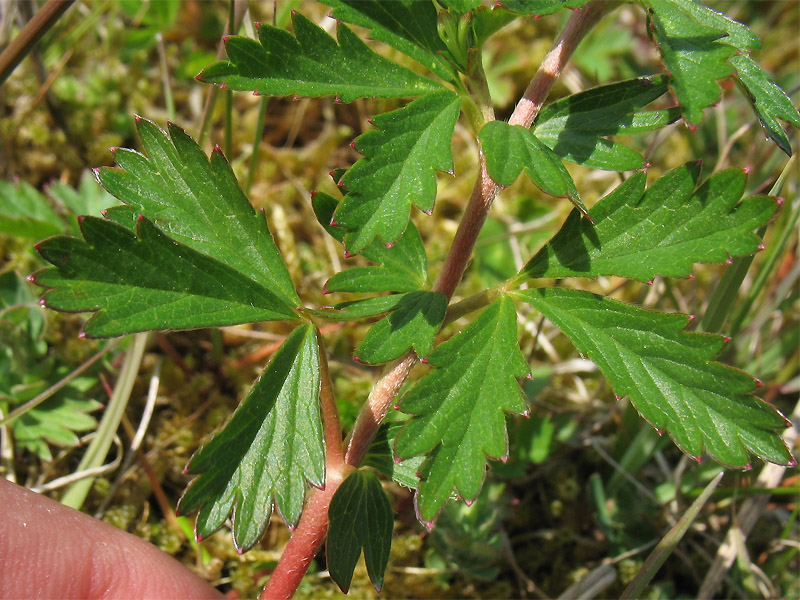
(360, 517)
(407, 25)
(660, 231)
(458, 408)
(669, 375)
(143, 280)
(577, 127)
(399, 169)
(413, 323)
(311, 63)
(197, 202)
(267, 452)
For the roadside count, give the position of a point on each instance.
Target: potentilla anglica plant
(187, 250)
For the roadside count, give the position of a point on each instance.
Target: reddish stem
(310, 533)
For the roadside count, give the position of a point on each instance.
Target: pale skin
(48, 550)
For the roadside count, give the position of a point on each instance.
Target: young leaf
(404, 266)
(311, 63)
(271, 446)
(24, 212)
(575, 127)
(145, 280)
(669, 375)
(511, 148)
(769, 101)
(197, 202)
(662, 231)
(412, 324)
(407, 25)
(381, 457)
(694, 54)
(360, 517)
(458, 408)
(399, 168)
(55, 421)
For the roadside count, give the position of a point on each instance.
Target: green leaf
(575, 128)
(381, 457)
(413, 323)
(272, 445)
(407, 25)
(540, 8)
(312, 64)
(404, 265)
(669, 375)
(769, 101)
(694, 54)
(55, 421)
(399, 168)
(197, 202)
(511, 148)
(457, 408)
(662, 231)
(738, 34)
(360, 517)
(360, 309)
(144, 280)
(25, 213)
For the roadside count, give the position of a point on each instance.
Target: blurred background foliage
(588, 488)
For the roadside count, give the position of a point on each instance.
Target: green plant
(187, 250)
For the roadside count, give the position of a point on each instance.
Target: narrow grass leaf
(271, 447)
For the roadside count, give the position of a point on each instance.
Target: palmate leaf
(360, 517)
(669, 375)
(399, 168)
(197, 202)
(413, 323)
(575, 128)
(407, 25)
(311, 63)
(458, 408)
(272, 445)
(403, 266)
(662, 231)
(693, 53)
(143, 280)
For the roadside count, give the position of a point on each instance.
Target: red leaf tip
(198, 538)
(358, 360)
(225, 39)
(727, 339)
(223, 86)
(217, 148)
(747, 170)
(81, 218)
(397, 460)
(137, 118)
(424, 361)
(333, 223)
(762, 246)
(82, 335)
(199, 76)
(112, 149)
(256, 24)
(691, 318)
(140, 218)
(659, 431)
(780, 200)
(389, 244)
(529, 376)
(792, 462)
(42, 302)
(348, 254)
(698, 459)
(759, 383)
(30, 278)
(325, 291)
(748, 467)
(618, 398)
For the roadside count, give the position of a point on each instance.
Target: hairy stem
(314, 523)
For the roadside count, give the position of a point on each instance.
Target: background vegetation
(589, 487)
